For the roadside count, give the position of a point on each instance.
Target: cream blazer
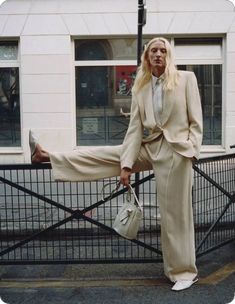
(181, 121)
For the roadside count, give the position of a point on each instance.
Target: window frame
(201, 61)
(181, 61)
(14, 64)
(93, 63)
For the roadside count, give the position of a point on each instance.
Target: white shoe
(32, 142)
(183, 284)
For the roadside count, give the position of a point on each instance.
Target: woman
(166, 104)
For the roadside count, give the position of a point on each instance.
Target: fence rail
(45, 222)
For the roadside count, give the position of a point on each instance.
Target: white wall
(45, 28)
(46, 89)
(230, 89)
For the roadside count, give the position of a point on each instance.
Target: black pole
(141, 23)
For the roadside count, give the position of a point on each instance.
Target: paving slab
(118, 283)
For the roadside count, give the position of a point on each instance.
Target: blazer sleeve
(194, 113)
(133, 138)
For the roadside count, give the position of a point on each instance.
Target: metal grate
(47, 221)
(214, 197)
(43, 221)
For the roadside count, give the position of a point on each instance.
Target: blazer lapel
(168, 102)
(147, 100)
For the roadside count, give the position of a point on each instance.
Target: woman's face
(157, 57)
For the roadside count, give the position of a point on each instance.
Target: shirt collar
(154, 78)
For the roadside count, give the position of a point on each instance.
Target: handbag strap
(112, 192)
(132, 191)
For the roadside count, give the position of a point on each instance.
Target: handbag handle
(132, 191)
(112, 192)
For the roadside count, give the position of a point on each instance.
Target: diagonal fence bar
(214, 184)
(74, 214)
(226, 207)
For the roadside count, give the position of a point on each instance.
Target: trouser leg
(174, 192)
(93, 163)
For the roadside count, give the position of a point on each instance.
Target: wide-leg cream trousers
(174, 193)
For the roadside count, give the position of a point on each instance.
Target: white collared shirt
(157, 87)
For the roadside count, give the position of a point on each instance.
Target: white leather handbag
(129, 217)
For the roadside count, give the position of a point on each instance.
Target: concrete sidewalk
(118, 283)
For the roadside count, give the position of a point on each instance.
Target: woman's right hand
(125, 176)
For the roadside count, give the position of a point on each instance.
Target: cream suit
(181, 121)
(167, 149)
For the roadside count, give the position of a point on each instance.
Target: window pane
(8, 50)
(124, 79)
(9, 107)
(198, 48)
(91, 50)
(110, 49)
(209, 79)
(103, 96)
(92, 86)
(123, 49)
(198, 41)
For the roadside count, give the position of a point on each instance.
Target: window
(105, 70)
(9, 95)
(104, 73)
(209, 79)
(204, 58)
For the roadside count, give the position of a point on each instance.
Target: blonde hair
(144, 71)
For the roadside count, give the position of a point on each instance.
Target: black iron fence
(214, 202)
(43, 221)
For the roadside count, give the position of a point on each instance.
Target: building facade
(67, 67)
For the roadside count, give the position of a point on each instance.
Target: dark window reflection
(209, 79)
(92, 85)
(91, 50)
(9, 107)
